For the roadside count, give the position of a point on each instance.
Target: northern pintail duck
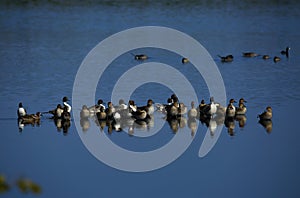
(249, 54)
(185, 60)
(101, 115)
(149, 108)
(192, 113)
(65, 100)
(57, 112)
(110, 110)
(31, 118)
(276, 59)
(241, 109)
(201, 106)
(140, 57)
(228, 58)
(210, 109)
(84, 113)
(265, 57)
(266, 115)
(230, 110)
(96, 108)
(66, 116)
(140, 114)
(286, 51)
(21, 110)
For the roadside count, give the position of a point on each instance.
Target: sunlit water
(42, 47)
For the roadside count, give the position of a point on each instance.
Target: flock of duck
(173, 109)
(229, 58)
(123, 115)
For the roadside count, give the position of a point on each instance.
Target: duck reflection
(62, 125)
(241, 119)
(267, 124)
(230, 125)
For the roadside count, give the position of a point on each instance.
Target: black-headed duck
(286, 51)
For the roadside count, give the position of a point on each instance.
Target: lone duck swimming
(266, 115)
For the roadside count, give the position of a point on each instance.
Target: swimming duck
(101, 115)
(276, 59)
(230, 110)
(140, 57)
(84, 113)
(149, 108)
(96, 108)
(110, 110)
(66, 116)
(210, 109)
(265, 57)
(249, 54)
(65, 99)
(140, 114)
(21, 110)
(201, 106)
(173, 110)
(241, 109)
(266, 115)
(31, 118)
(57, 112)
(228, 58)
(286, 51)
(193, 111)
(185, 60)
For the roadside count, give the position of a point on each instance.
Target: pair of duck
(62, 112)
(25, 118)
(174, 108)
(232, 111)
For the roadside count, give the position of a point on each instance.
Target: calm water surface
(42, 47)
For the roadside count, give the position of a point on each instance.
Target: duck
(276, 59)
(96, 108)
(140, 114)
(249, 54)
(286, 51)
(210, 109)
(84, 113)
(241, 109)
(57, 112)
(31, 118)
(266, 115)
(149, 108)
(173, 111)
(101, 115)
(110, 110)
(201, 106)
(230, 110)
(192, 113)
(140, 57)
(21, 110)
(184, 60)
(66, 116)
(265, 57)
(65, 99)
(226, 59)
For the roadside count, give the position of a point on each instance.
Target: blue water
(43, 45)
